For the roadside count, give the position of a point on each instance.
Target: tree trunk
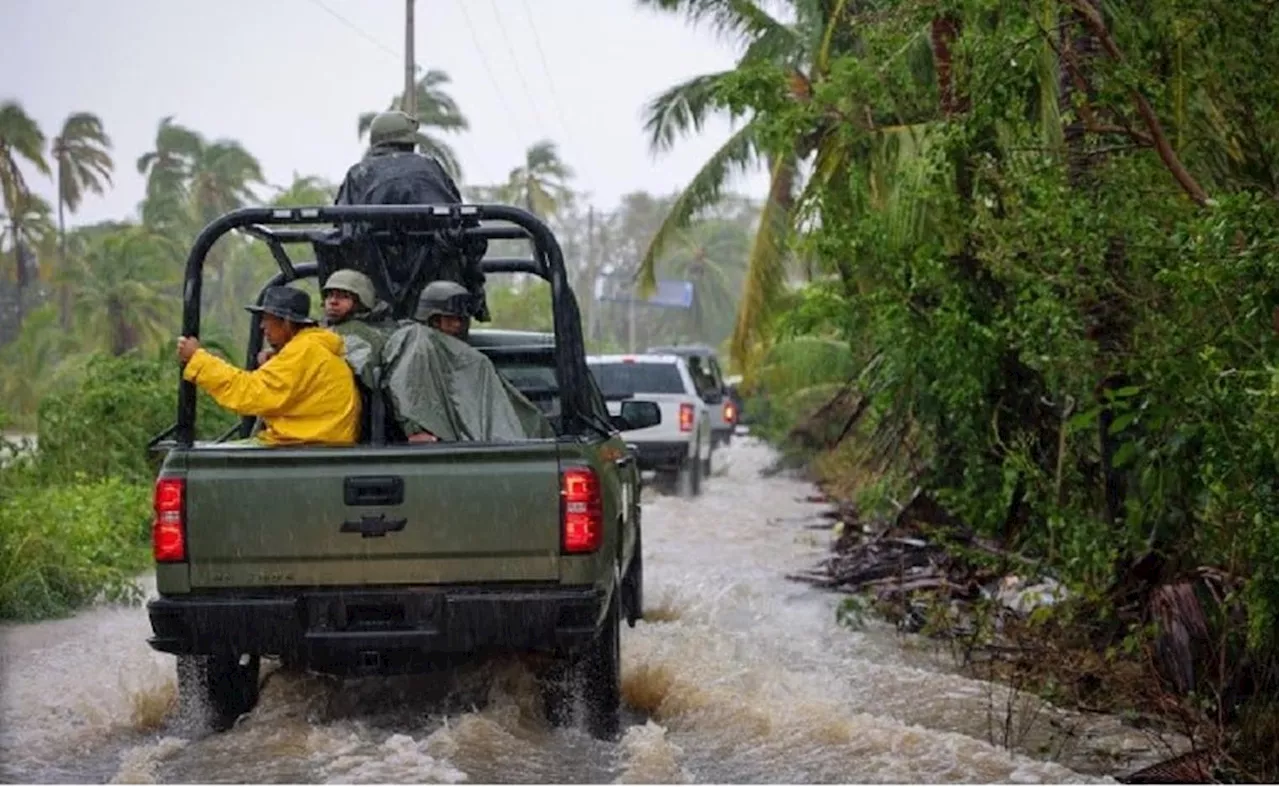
(20, 269)
(121, 338)
(1108, 321)
(943, 32)
(64, 290)
(1078, 49)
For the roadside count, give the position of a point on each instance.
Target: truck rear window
(616, 378)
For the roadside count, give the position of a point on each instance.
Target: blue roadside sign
(669, 293)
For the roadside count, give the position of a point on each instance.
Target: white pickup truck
(679, 449)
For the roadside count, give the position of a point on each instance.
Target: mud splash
(738, 676)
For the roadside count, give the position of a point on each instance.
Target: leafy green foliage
(65, 546)
(100, 427)
(1082, 348)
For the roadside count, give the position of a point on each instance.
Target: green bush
(795, 378)
(100, 426)
(66, 546)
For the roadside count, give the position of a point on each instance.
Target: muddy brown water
(739, 676)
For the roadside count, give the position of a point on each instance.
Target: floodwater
(739, 675)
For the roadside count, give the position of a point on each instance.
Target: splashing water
(738, 675)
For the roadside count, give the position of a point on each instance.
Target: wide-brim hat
(287, 303)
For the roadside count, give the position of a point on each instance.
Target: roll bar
(279, 226)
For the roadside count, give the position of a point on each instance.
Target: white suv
(679, 448)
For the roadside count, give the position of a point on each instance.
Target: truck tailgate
(373, 516)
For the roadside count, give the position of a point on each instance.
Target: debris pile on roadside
(921, 551)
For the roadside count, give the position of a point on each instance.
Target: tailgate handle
(373, 490)
(369, 526)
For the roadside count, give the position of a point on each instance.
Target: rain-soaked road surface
(741, 676)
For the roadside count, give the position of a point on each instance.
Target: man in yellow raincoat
(306, 392)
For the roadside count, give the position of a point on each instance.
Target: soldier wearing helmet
(353, 311)
(393, 161)
(430, 354)
(395, 129)
(446, 306)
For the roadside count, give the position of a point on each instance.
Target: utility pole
(592, 305)
(410, 102)
(631, 318)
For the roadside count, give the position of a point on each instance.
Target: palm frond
(80, 152)
(766, 266)
(21, 135)
(736, 155)
(683, 108)
(737, 20)
(438, 148)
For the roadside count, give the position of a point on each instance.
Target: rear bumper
(401, 626)
(661, 456)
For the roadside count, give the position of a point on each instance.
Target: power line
(360, 32)
(542, 125)
(484, 61)
(551, 83)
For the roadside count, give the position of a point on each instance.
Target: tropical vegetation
(1042, 240)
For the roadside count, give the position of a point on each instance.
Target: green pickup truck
(388, 557)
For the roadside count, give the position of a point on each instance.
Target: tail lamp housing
(169, 527)
(582, 511)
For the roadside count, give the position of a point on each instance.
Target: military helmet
(443, 297)
(354, 282)
(393, 127)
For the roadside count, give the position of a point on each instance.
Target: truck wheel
(706, 463)
(596, 672)
(689, 480)
(601, 674)
(633, 584)
(213, 691)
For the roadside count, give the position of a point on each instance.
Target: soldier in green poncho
(442, 388)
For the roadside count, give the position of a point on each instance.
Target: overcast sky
(288, 79)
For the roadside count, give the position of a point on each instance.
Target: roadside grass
(68, 545)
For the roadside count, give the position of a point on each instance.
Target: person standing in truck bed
(305, 393)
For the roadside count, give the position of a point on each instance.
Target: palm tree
(80, 154)
(167, 168)
(222, 174)
(801, 52)
(541, 184)
(24, 229)
(436, 109)
(20, 138)
(127, 290)
(192, 180)
(30, 361)
(304, 191)
(712, 255)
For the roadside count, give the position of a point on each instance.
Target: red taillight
(168, 531)
(686, 417)
(583, 521)
(730, 412)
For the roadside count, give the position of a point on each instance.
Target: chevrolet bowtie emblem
(371, 526)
